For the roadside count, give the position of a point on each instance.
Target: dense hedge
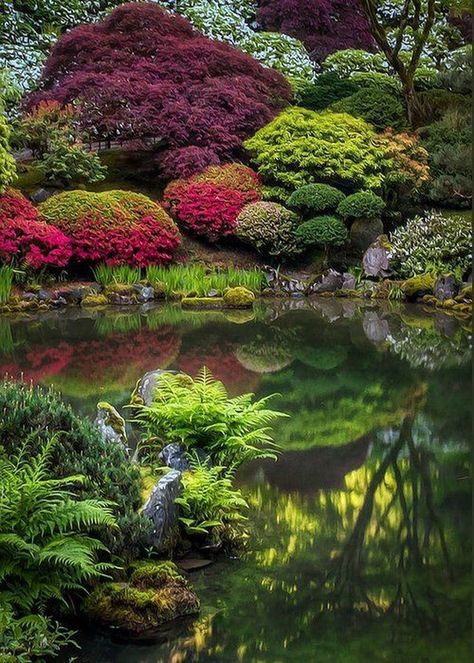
(114, 227)
(145, 73)
(268, 227)
(26, 239)
(37, 414)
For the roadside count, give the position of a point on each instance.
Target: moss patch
(95, 300)
(418, 285)
(239, 297)
(203, 303)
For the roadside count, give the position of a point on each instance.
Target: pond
(360, 532)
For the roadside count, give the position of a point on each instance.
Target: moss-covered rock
(239, 297)
(203, 303)
(418, 286)
(153, 593)
(94, 300)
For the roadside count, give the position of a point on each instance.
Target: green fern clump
(36, 414)
(46, 547)
(199, 414)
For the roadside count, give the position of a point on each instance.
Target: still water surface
(360, 543)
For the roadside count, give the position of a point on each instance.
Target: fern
(200, 415)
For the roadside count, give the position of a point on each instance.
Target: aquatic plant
(268, 227)
(208, 499)
(6, 282)
(117, 227)
(432, 241)
(193, 278)
(159, 78)
(36, 414)
(199, 414)
(121, 274)
(25, 238)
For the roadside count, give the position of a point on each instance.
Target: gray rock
(348, 282)
(73, 295)
(446, 287)
(364, 232)
(147, 294)
(57, 303)
(44, 296)
(174, 456)
(143, 392)
(30, 297)
(213, 293)
(161, 506)
(376, 260)
(110, 424)
(330, 281)
(40, 195)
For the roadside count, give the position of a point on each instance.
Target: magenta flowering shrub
(144, 73)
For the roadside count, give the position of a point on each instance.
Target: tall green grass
(6, 282)
(107, 275)
(186, 279)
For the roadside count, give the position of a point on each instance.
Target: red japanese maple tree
(146, 73)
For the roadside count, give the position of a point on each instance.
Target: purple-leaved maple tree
(144, 73)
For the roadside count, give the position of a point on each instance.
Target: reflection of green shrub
(265, 355)
(316, 198)
(322, 231)
(382, 109)
(361, 205)
(322, 358)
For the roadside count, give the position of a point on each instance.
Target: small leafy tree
(325, 231)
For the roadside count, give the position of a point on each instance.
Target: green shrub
(449, 147)
(199, 414)
(350, 60)
(361, 205)
(432, 243)
(268, 227)
(324, 231)
(377, 80)
(382, 109)
(68, 163)
(208, 500)
(7, 162)
(327, 89)
(434, 104)
(36, 414)
(316, 198)
(302, 147)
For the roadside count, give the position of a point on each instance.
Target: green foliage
(346, 62)
(327, 89)
(434, 104)
(187, 279)
(380, 108)
(323, 231)
(35, 414)
(448, 143)
(302, 147)
(456, 75)
(199, 414)
(361, 205)
(432, 242)
(268, 227)
(116, 274)
(71, 163)
(316, 198)
(208, 500)
(7, 162)
(6, 282)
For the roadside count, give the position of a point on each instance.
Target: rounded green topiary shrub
(323, 231)
(37, 414)
(316, 198)
(328, 89)
(361, 205)
(381, 108)
(268, 227)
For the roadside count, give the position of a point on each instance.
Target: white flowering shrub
(216, 20)
(286, 54)
(432, 243)
(268, 227)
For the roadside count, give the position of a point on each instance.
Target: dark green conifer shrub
(324, 231)
(361, 205)
(316, 198)
(377, 106)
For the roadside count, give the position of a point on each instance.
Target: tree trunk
(412, 102)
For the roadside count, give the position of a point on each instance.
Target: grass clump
(107, 275)
(6, 282)
(194, 279)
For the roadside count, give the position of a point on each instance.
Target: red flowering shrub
(324, 26)
(145, 73)
(209, 203)
(116, 227)
(25, 238)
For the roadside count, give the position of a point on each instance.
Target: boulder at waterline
(146, 385)
(162, 509)
(110, 424)
(446, 287)
(329, 281)
(376, 260)
(153, 593)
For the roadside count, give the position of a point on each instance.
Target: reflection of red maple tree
(39, 363)
(224, 366)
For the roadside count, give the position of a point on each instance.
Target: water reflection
(360, 532)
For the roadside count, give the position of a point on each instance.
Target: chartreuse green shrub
(315, 199)
(34, 413)
(433, 243)
(199, 414)
(7, 162)
(268, 227)
(46, 547)
(303, 147)
(325, 231)
(379, 107)
(361, 205)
